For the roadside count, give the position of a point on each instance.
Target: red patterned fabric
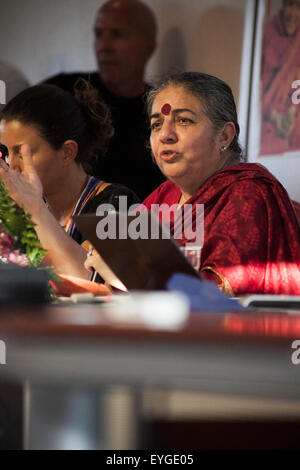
(251, 233)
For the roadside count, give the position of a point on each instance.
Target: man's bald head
(125, 38)
(138, 13)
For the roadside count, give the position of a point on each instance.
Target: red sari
(251, 233)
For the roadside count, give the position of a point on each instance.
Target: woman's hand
(25, 187)
(94, 261)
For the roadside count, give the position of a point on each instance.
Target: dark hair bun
(97, 116)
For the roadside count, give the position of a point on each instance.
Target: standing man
(125, 38)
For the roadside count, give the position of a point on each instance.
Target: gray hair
(215, 96)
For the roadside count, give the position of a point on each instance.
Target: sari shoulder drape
(251, 233)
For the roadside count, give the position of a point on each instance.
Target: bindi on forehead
(166, 109)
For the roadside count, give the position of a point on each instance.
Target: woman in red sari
(251, 233)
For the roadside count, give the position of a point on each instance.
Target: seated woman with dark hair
(251, 233)
(51, 138)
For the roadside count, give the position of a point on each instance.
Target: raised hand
(95, 261)
(24, 187)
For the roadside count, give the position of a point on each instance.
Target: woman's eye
(184, 120)
(155, 125)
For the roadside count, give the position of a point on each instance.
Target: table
(72, 359)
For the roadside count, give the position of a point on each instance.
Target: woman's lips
(168, 155)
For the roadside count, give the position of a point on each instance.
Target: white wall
(43, 37)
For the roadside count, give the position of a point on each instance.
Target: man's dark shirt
(128, 160)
